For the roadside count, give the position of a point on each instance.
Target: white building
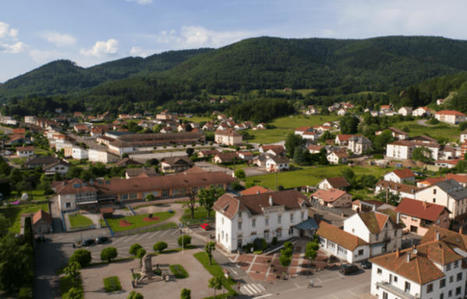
(342, 244)
(101, 155)
(403, 175)
(25, 151)
(379, 230)
(228, 137)
(359, 145)
(463, 137)
(421, 111)
(402, 149)
(241, 220)
(277, 163)
(79, 153)
(447, 193)
(450, 116)
(433, 269)
(405, 111)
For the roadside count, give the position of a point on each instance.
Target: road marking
(164, 232)
(263, 296)
(143, 236)
(252, 263)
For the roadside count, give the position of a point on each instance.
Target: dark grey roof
(453, 189)
(309, 224)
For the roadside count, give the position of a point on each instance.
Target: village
(287, 208)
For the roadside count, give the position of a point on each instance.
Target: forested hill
(328, 65)
(339, 66)
(64, 76)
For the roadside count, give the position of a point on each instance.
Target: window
(449, 293)
(395, 278)
(222, 220)
(458, 290)
(441, 296)
(442, 283)
(434, 190)
(434, 200)
(253, 222)
(459, 276)
(448, 267)
(456, 264)
(429, 288)
(360, 252)
(239, 225)
(290, 231)
(266, 220)
(279, 219)
(407, 287)
(291, 217)
(67, 205)
(451, 279)
(379, 271)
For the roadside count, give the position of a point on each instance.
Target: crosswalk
(252, 289)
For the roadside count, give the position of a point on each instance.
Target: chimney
(437, 236)
(408, 256)
(270, 200)
(398, 217)
(398, 252)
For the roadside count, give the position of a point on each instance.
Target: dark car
(89, 242)
(365, 264)
(347, 269)
(102, 240)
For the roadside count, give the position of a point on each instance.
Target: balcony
(396, 291)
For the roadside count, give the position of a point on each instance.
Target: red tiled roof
(330, 195)
(344, 137)
(338, 236)
(460, 177)
(254, 190)
(41, 214)
(302, 129)
(450, 112)
(420, 209)
(404, 173)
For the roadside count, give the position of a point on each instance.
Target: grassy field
(201, 215)
(79, 220)
(14, 213)
(285, 125)
(435, 131)
(34, 195)
(197, 119)
(137, 221)
(310, 175)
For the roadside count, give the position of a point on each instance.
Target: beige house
(333, 198)
(450, 116)
(449, 194)
(228, 137)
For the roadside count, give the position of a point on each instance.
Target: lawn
(79, 220)
(440, 130)
(215, 270)
(14, 213)
(286, 125)
(310, 175)
(136, 221)
(34, 195)
(201, 215)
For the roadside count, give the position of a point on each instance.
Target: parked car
(365, 264)
(347, 269)
(89, 242)
(102, 240)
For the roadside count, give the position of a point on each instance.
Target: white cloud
(59, 39)
(6, 31)
(141, 2)
(137, 51)
(198, 36)
(102, 48)
(9, 42)
(362, 18)
(42, 56)
(13, 48)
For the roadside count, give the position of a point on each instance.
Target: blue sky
(34, 32)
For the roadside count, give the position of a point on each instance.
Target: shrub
(184, 240)
(73, 293)
(240, 174)
(259, 244)
(160, 246)
(150, 197)
(274, 241)
(247, 247)
(178, 271)
(185, 294)
(112, 284)
(285, 260)
(82, 257)
(135, 295)
(109, 253)
(140, 253)
(25, 293)
(433, 121)
(313, 245)
(134, 249)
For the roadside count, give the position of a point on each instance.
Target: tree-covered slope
(343, 65)
(64, 76)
